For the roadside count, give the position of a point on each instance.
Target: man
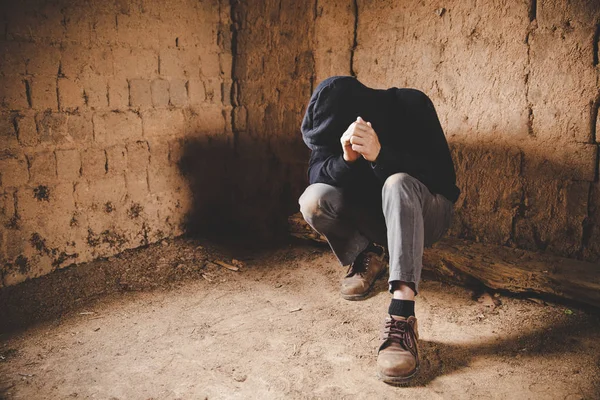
(380, 172)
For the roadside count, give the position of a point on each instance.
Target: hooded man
(380, 174)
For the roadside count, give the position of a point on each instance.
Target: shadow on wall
(209, 166)
(533, 198)
(246, 193)
(529, 198)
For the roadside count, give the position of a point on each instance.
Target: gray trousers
(410, 218)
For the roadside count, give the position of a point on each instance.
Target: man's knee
(400, 183)
(318, 199)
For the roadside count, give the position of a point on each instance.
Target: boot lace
(360, 265)
(401, 332)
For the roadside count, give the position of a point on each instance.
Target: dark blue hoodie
(411, 137)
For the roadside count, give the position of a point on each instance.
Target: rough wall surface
(273, 78)
(516, 88)
(99, 101)
(126, 121)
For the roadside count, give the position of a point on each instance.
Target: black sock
(402, 308)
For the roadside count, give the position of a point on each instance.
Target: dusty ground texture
(277, 328)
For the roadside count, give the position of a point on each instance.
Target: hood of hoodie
(336, 103)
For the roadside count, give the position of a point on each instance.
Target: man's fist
(363, 139)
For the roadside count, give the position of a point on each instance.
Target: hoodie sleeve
(391, 161)
(327, 167)
(328, 115)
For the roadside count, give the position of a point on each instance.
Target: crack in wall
(355, 38)
(530, 29)
(587, 226)
(595, 44)
(28, 92)
(521, 208)
(234, 90)
(533, 10)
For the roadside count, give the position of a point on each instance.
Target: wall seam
(530, 29)
(234, 89)
(355, 38)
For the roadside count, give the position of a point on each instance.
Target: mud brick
(160, 168)
(240, 117)
(163, 123)
(227, 116)
(225, 63)
(79, 26)
(160, 93)
(204, 120)
(210, 65)
(135, 63)
(140, 94)
(178, 92)
(171, 63)
(80, 128)
(70, 94)
(8, 133)
(118, 93)
(138, 157)
(136, 29)
(177, 148)
(93, 163)
(27, 130)
(137, 186)
(81, 62)
(561, 112)
(104, 27)
(42, 167)
(226, 88)
(13, 93)
(68, 164)
(570, 161)
(43, 93)
(3, 258)
(26, 23)
(95, 194)
(44, 60)
(116, 157)
(196, 91)
(114, 127)
(213, 90)
(13, 170)
(14, 56)
(7, 209)
(15, 244)
(96, 91)
(36, 203)
(52, 127)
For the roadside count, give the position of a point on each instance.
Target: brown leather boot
(398, 356)
(362, 274)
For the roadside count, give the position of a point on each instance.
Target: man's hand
(350, 155)
(363, 140)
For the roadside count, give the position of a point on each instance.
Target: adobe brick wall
(128, 122)
(273, 79)
(97, 101)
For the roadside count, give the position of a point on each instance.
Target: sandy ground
(278, 329)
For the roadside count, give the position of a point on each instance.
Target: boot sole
(397, 380)
(362, 296)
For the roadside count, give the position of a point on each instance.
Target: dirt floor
(170, 323)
